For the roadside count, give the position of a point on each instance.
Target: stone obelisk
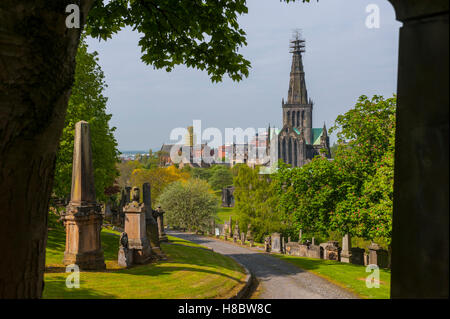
(83, 217)
(150, 221)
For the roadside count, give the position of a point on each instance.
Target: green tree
(202, 173)
(126, 168)
(87, 103)
(255, 202)
(306, 195)
(221, 177)
(189, 204)
(158, 177)
(365, 158)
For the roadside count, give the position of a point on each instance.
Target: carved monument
(83, 218)
(136, 229)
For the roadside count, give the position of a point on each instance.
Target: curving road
(279, 279)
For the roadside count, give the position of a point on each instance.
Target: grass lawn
(352, 277)
(189, 272)
(224, 213)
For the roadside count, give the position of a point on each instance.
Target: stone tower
(297, 111)
(298, 141)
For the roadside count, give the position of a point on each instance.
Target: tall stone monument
(160, 220)
(150, 221)
(83, 218)
(346, 253)
(135, 228)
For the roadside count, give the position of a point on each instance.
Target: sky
(343, 60)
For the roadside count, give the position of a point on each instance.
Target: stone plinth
(135, 227)
(275, 243)
(378, 256)
(83, 244)
(83, 217)
(125, 257)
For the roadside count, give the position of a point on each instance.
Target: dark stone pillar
(421, 205)
(151, 224)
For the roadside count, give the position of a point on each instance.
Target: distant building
(191, 155)
(298, 141)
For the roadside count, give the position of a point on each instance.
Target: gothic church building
(298, 141)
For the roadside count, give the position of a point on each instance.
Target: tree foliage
(255, 202)
(87, 103)
(203, 34)
(365, 156)
(221, 177)
(189, 204)
(351, 194)
(158, 177)
(307, 195)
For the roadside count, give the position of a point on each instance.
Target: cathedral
(298, 141)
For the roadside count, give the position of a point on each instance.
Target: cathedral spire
(297, 93)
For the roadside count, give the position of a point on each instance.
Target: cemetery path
(279, 279)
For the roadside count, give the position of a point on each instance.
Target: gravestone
(243, 238)
(236, 233)
(378, 256)
(83, 218)
(217, 232)
(300, 236)
(151, 225)
(135, 227)
(357, 256)
(249, 235)
(366, 259)
(331, 250)
(283, 246)
(275, 243)
(230, 228)
(267, 244)
(228, 196)
(346, 253)
(160, 220)
(125, 255)
(225, 229)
